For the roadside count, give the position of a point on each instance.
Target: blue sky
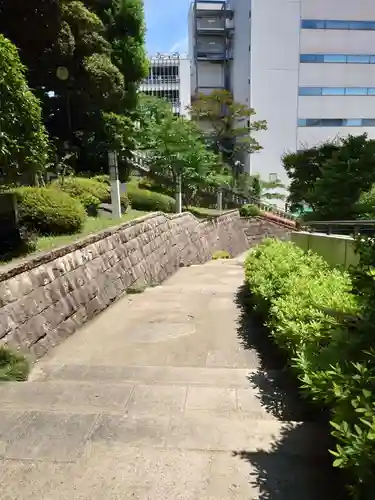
(167, 25)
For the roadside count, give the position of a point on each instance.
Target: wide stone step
(156, 391)
(63, 435)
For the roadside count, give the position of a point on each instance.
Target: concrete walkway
(161, 397)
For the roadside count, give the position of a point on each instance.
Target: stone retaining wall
(45, 299)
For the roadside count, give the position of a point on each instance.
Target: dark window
(312, 24)
(368, 122)
(308, 58)
(336, 25)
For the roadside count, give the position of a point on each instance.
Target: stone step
(62, 435)
(182, 394)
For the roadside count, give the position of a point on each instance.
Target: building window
(337, 91)
(336, 122)
(318, 24)
(337, 58)
(273, 178)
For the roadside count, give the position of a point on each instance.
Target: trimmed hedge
(49, 211)
(149, 201)
(326, 330)
(90, 192)
(250, 211)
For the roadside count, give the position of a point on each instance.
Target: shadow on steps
(281, 473)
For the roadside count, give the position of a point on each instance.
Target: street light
(62, 74)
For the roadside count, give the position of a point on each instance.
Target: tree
(124, 22)
(230, 124)
(150, 113)
(303, 168)
(181, 158)
(344, 177)
(24, 144)
(70, 35)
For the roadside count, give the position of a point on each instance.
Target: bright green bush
(149, 201)
(221, 254)
(90, 192)
(250, 211)
(49, 211)
(326, 329)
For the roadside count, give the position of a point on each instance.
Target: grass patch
(221, 254)
(205, 212)
(93, 225)
(13, 367)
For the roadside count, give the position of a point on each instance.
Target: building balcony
(209, 8)
(204, 55)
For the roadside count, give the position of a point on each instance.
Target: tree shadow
(297, 466)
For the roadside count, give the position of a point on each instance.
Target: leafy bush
(89, 192)
(149, 201)
(49, 211)
(103, 179)
(221, 254)
(24, 143)
(250, 211)
(313, 315)
(13, 367)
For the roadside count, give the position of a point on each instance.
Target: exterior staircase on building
(163, 396)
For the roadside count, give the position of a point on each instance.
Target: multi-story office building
(305, 66)
(169, 79)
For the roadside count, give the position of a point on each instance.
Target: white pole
(220, 200)
(115, 185)
(179, 195)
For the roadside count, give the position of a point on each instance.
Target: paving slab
(157, 398)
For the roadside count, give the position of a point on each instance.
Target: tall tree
(124, 21)
(70, 36)
(23, 140)
(230, 124)
(303, 168)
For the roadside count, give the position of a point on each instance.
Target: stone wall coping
(12, 269)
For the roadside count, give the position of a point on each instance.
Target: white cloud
(180, 46)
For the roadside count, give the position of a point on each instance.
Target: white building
(305, 66)
(169, 79)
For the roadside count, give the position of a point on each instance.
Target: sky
(167, 25)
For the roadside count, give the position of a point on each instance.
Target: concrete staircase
(162, 397)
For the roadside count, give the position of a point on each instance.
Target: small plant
(250, 211)
(13, 367)
(90, 192)
(221, 254)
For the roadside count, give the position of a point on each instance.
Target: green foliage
(23, 140)
(13, 367)
(226, 136)
(49, 211)
(101, 43)
(149, 201)
(250, 211)
(89, 192)
(317, 176)
(221, 254)
(327, 331)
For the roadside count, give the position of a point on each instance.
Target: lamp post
(115, 184)
(62, 74)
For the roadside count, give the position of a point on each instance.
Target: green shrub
(91, 193)
(103, 179)
(49, 211)
(13, 367)
(221, 254)
(313, 315)
(250, 211)
(149, 201)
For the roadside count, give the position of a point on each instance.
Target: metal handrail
(354, 225)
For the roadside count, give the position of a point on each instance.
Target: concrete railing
(336, 249)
